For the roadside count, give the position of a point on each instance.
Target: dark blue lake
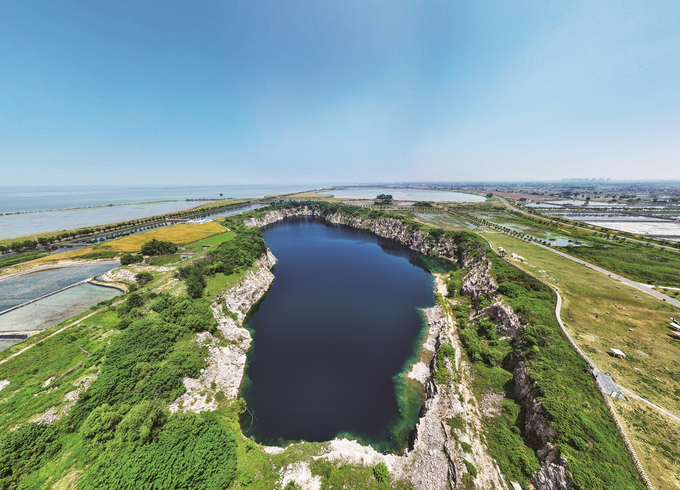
(331, 339)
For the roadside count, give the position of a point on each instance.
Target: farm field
(442, 220)
(308, 195)
(178, 234)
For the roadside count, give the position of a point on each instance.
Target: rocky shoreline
(441, 456)
(227, 363)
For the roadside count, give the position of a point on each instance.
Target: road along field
(602, 313)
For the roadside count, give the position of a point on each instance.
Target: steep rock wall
(227, 364)
(553, 473)
(465, 255)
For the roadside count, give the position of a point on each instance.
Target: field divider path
(601, 379)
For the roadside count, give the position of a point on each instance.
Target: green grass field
(601, 313)
(212, 241)
(20, 258)
(164, 259)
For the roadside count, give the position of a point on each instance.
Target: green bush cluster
(143, 278)
(441, 373)
(127, 259)
(24, 450)
(191, 451)
(158, 247)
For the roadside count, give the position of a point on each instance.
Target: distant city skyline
(264, 92)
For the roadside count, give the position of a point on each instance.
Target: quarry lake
(333, 337)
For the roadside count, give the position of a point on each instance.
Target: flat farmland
(179, 234)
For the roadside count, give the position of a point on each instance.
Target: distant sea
(52, 209)
(43, 198)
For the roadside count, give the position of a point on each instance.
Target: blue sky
(283, 92)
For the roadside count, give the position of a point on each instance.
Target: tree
(157, 247)
(195, 283)
(143, 278)
(127, 259)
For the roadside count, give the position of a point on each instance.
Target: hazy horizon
(267, 93)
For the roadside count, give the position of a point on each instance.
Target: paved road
(542, 216)
(651, 404)
(642, 287)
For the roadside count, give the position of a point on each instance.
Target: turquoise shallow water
(339, 324)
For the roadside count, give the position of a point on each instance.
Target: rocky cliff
(553, 473)
(464, 254)
(239, 299)
(227, 363)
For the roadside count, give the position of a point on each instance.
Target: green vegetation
(119, 433)
(143, 278)
(158, 247)
(21, 258)
(127, 259)
(586, 434)
(637, 261)
(191, 451)
(349, 476)
(96, 255)
(441, 373)
(164, 259)
(212, 241)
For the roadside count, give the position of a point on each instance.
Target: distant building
(524, 199)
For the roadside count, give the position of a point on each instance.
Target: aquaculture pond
(19, 289)
(52, 310)
(333, 337)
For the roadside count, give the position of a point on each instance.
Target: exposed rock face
(226, 364)
(252, 287)
(70, 399)
(478, 282)
(553, 474)
(395, 229)
(507, 321)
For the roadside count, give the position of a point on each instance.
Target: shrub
(511, 290)
(380, 472)
(143, 278)
(127, 259)
(157, 247)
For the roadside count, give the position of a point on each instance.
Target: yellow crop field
(178, 234)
